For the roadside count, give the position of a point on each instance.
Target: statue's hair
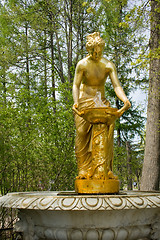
(93, 40)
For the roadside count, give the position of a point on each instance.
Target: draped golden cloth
(93, 144)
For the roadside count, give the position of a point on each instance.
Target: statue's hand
(75, 109)
(126, 106)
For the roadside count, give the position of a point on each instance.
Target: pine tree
(151, 166)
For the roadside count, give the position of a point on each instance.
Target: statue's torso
(94, 76)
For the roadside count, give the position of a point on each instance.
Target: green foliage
(128, 170)
(40, 45)
(36, 146)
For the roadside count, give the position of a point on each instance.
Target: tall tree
(151, 167)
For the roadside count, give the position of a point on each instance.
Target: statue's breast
(95, 74)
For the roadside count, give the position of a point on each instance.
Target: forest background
(41, 42)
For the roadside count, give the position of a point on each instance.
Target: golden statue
(94, 119)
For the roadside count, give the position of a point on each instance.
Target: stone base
(94, 186)
(130, 215)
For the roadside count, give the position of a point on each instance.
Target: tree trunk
(60, 68)
(4, 85)
(70, 76)
(129, 168)
(52, 71)
(27, 73)
(45, 64)
(27, 65)
(118, 129)
(151, 165)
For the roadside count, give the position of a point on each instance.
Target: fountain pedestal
(95, 186)
(69, 216)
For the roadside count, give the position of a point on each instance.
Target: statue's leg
(82, 144)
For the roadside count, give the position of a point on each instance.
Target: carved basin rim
(69, 194)
(71, 201)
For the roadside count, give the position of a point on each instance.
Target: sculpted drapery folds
(94, 142)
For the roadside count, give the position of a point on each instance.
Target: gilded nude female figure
(89, 82)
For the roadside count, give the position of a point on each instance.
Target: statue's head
(95, 45)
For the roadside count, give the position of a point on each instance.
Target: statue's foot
(112, 176)
(99, 177)
(96, 176)
(85, 175)
(81, 176)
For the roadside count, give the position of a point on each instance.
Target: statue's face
(96, 53)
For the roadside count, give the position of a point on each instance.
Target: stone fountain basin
(106, 115)
(129, 215)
